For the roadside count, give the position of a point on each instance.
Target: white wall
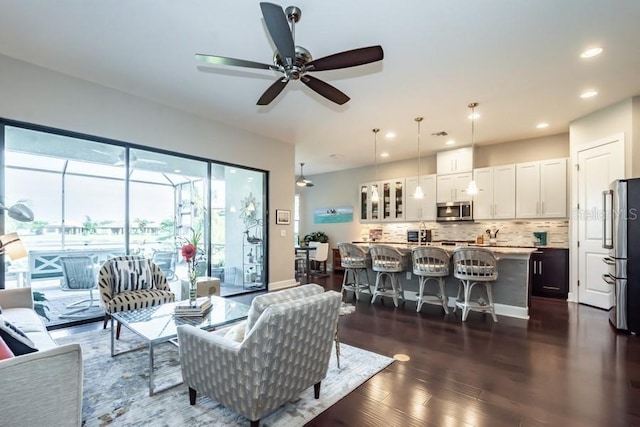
(40, 96)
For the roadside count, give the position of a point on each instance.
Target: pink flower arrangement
(190, 254)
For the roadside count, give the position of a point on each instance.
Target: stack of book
(185, 308)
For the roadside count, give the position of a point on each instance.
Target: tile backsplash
(512, 233)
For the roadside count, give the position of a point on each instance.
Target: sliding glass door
(98, 199)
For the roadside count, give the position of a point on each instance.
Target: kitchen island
(510, 290)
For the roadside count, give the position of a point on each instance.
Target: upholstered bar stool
(430, 263)
(388, 263)
(354, 261)
(474, 266)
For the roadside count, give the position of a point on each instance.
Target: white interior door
(598, 167)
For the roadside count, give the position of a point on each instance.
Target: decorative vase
(193, 293)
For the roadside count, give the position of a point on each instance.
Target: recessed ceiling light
(450, 142)
(177, 170)
(385, 154)
(473, 116)
(590, 53)
(588, 94)
(542, 125)
(390, 135)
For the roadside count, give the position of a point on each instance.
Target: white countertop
(501, 250)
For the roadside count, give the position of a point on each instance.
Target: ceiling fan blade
(279, 30)
(325, 89)
(348, 58)
(222, 60)
(273, 91)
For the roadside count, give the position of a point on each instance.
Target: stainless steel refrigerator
(621, 235)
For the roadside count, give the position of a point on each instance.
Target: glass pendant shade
(418, 194)
(472, 189)
(375, 196)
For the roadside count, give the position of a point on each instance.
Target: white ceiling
(519, 59)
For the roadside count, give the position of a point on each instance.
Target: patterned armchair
(286, 350)
(131, 282)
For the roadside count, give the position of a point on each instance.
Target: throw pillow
(131, 275)
(17, 341)
(236, 332)
(5, 351)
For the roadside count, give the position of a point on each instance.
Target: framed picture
(283, 217)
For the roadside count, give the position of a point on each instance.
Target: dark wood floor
(565, 366)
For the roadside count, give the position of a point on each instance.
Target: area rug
(116, 389)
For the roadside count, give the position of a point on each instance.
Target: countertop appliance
(454, 211)
(620, 234)
(418, 236)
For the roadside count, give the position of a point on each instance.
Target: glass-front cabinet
(389, 205)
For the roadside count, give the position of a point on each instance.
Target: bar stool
(354, 261)
(430, 263)
(474, 266)
(388, 263)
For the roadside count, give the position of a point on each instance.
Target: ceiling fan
(302, 181)
(295, 62)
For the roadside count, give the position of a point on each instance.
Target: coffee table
(158, 325)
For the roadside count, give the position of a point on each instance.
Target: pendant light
(418, 194)
(302, 181)
(472, 189)
(375, 196)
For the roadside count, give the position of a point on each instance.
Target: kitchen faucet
(422, 226)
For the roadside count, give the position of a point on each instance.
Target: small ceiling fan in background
(302, 181)
(295, 62)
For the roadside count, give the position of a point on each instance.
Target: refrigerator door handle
(607, 243)
(609, 280)
(609, 261)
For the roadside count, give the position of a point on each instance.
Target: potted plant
(316, 236)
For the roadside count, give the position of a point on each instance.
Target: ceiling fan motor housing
(293, 72)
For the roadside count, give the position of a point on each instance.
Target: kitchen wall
(509, 233)
(341, 189)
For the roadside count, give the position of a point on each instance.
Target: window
(98, 198)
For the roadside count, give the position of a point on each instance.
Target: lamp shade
(11, 245)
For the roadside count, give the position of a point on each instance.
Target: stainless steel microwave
(454, 211)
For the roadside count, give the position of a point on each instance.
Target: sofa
(283, 350)
(43, 387)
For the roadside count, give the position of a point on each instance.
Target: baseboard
(512, 311)
(284, 284)
(503, 309)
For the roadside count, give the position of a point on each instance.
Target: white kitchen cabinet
(496, 198)
(392, 199)
(453, 188)
(541, 189)
(390, 204)
(420, 209)
(454, 161)
(369, 210)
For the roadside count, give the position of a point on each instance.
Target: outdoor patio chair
(166, 260)
(79, 274)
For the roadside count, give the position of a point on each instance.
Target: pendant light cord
(375, 153)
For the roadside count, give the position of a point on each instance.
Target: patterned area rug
(116, 389)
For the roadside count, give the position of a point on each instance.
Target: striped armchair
(130, 282)
(283, 353)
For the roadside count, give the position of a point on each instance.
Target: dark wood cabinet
(549, 269)
(336, 260)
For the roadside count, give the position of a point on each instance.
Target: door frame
(573, 217)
